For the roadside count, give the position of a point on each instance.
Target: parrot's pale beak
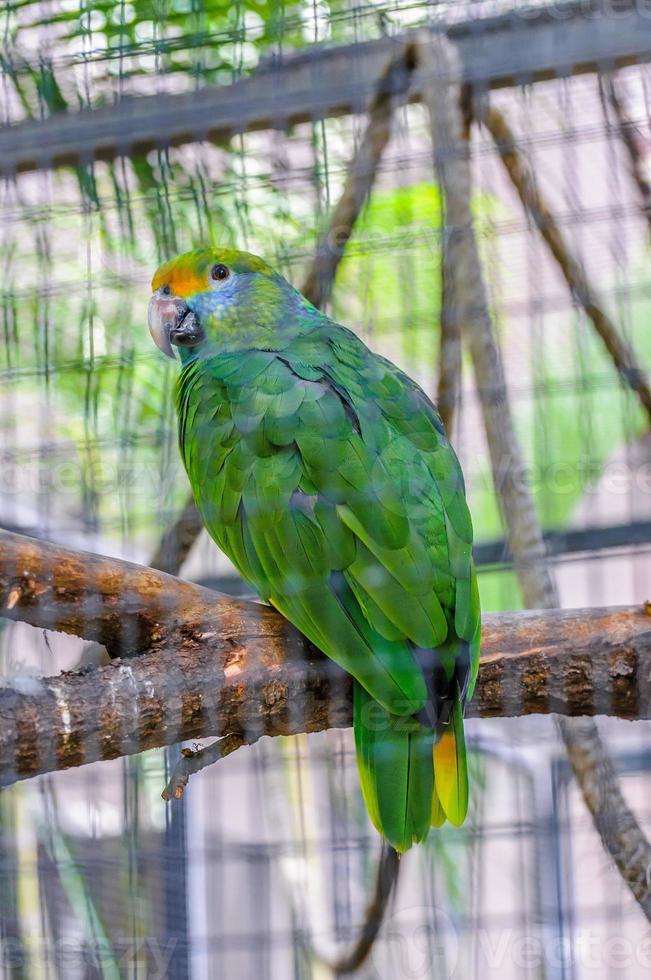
(172, 322)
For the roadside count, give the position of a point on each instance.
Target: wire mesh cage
(302, 132)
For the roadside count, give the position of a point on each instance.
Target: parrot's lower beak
(171, 321)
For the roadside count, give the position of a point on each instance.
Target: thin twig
(621, 352)
(392, 88)
(385, 883)
(176, 543)
(636, 145)
(616, 825)
(194, 760)
(449, 381)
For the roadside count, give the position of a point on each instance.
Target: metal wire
(270, 856)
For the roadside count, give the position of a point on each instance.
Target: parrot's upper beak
(172, 322)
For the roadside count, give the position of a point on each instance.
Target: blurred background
(265, 867)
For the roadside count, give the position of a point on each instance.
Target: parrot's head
(220, 299)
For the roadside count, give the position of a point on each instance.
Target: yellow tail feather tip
(451, 778)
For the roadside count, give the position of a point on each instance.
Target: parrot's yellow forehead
(189, 273)
(183, 277)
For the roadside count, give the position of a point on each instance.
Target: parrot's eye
(165, 290)
(219, 272)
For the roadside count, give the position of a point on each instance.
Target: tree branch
(621, 835)
(218, 666)
(392, 87)
(637, 145)
(194, 760)
(621, 352)
(594, 770)
(450, 366)
(385, 882)
(176, 543)
(449, 377)
(443, 95)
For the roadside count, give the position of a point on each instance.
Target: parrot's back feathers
(324, 472)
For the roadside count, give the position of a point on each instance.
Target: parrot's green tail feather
(410, 780)
(394, 756)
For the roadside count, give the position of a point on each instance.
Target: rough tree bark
(213, 665)
(620, 832)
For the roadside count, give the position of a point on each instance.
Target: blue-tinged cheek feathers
(215, 302)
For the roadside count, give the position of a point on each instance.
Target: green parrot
(324, 473)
